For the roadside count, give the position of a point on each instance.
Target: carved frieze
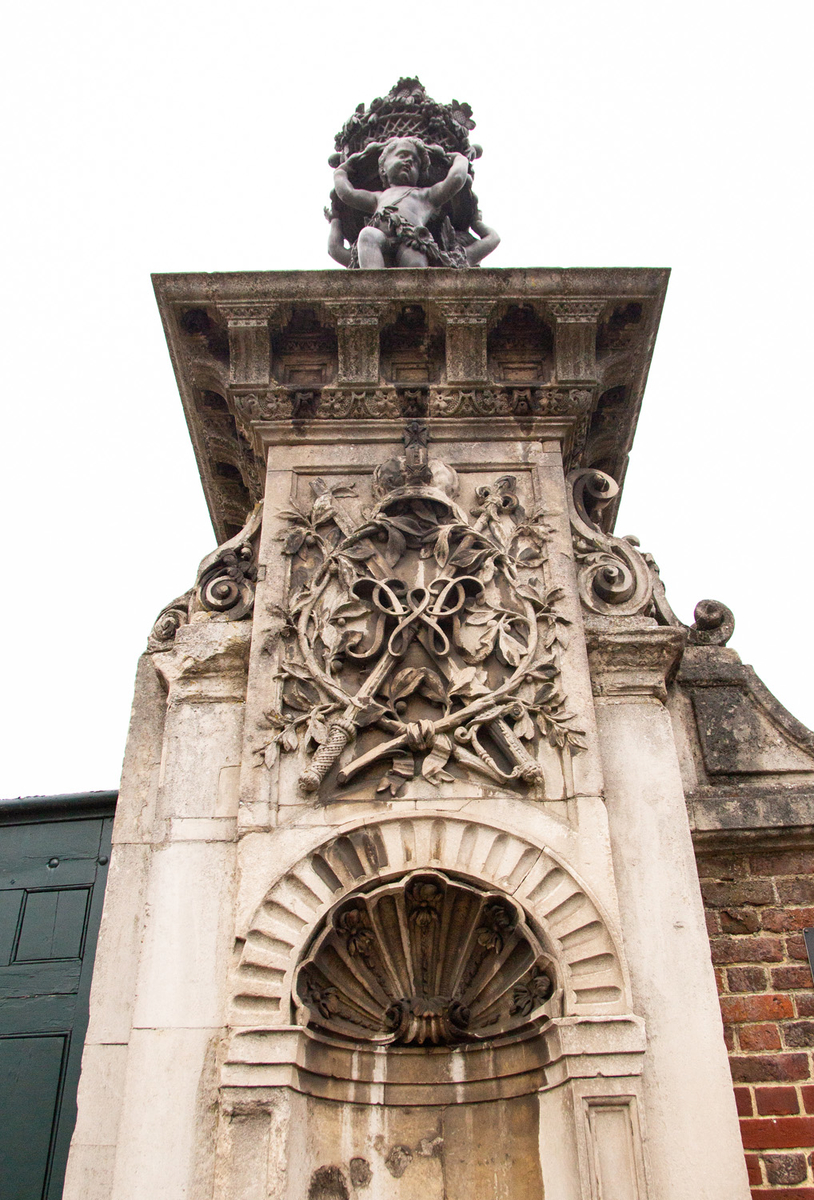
(426, 960)
(386, 402)
(422, 639)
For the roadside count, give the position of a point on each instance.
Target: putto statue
(403, 185)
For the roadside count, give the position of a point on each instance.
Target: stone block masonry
(757, 905)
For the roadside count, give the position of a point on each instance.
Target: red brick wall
(757, 905)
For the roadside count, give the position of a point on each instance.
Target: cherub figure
(397, 233)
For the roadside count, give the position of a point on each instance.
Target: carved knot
(421, 735)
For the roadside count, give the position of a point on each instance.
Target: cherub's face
(401, 165)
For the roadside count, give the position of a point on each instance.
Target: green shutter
(51, 892)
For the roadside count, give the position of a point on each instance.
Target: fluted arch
(586, 950)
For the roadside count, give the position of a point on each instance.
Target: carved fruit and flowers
(423, 636)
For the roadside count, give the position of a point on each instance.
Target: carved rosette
(422, 634)
(426, 960)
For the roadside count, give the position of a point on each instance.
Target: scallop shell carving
(426, 959)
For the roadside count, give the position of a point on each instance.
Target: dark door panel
(52, 876)
(31, 1072)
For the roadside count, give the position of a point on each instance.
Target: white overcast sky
(180, 136)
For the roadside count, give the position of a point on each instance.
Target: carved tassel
(341, 732)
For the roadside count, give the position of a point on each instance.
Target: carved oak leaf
(529, 591)
(370, 713)
(288, 738)
(294, 541)
(480, 616)
(360, 552)
(467, 558)
(404, 683)
(323, 509)
(348, 610)
(302, 696)
(432, 687)
(466, 681)
(410, 525)
(328, 635)
(509, 648)
(317, 730)
(524, 726)
(396, 545)
(421, 679)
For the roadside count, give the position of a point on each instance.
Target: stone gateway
(403, 902)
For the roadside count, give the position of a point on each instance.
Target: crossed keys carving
(403, 614)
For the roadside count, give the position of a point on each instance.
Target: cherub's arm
(439, 193)
(488, 240)
(336, 243)
(356, 198)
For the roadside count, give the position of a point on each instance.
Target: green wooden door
(52, 876)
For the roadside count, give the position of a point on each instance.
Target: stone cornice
(236, 335)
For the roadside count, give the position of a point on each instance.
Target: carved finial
(416, 465)
(714, 624)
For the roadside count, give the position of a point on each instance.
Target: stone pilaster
(575, 338)
(692, 1129)
(249, 344)
(466, 327)
(358, 335)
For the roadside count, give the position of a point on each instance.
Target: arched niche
(405, 921)
(576, 931)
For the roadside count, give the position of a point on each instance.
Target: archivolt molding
(576, 931)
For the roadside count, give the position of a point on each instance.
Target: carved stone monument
(403, 902)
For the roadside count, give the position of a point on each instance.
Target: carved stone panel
(421, 638)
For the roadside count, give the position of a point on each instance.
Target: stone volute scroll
(614, 577)
(403, 185)
(224, 588)
(422, 641)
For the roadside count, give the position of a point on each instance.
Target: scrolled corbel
(168, 622)
(614, 578)
(226, 578)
